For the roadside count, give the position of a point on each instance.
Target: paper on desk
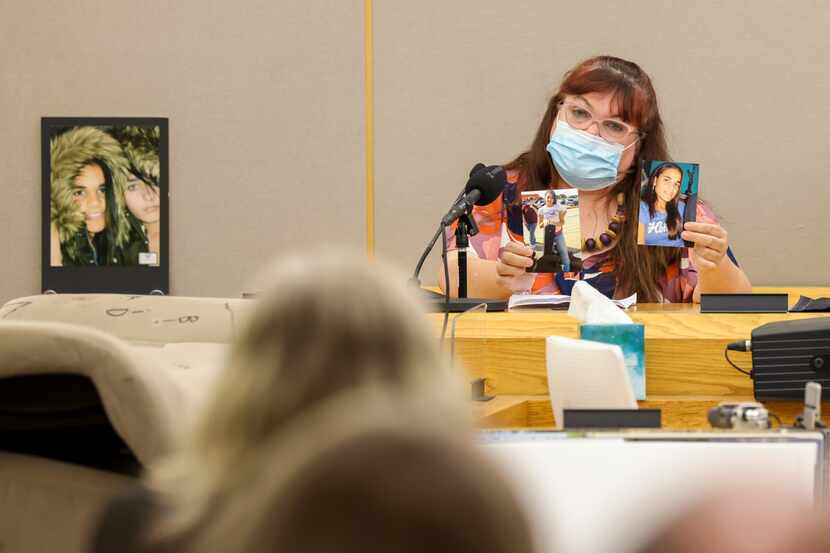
(558, 300)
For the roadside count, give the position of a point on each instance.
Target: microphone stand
(466, 227)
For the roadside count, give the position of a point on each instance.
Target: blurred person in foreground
(385, 478)
(325, 325)
(762, 519)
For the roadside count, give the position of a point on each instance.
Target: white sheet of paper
(542, 300)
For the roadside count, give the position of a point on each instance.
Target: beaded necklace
(610, 234)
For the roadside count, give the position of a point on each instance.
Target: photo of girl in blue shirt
(663, 202)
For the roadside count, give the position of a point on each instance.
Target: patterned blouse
(501, 221)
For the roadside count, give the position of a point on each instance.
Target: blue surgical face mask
(583, 160)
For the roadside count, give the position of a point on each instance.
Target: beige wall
(265, 101)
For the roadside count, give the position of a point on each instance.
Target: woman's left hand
(711, 242)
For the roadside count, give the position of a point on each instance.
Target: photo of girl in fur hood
(142, 193)
(105, 201)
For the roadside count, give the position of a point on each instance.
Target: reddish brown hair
(639, 269)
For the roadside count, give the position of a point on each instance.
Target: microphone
(483, 187)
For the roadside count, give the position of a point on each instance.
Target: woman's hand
(511, 267)
(717, 274)
(711, 242)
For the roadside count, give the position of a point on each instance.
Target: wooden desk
(686, 372)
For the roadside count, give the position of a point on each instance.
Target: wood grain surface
(684, 348)
(534, 412)
(686, 372)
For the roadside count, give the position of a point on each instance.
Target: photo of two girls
(105, 195)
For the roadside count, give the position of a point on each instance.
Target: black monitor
(105, 222)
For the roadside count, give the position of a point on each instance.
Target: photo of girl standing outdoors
(555, 237)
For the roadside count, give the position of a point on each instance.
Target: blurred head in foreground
(385, 478)
(324, 325)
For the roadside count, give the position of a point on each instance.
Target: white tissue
(590, 306)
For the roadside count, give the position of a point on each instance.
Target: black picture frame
(106, 279)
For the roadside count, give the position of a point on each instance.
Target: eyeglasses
(580, 117)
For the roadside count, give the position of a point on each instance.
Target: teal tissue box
(631, 339)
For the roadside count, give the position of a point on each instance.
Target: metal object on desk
(744, 416)
(477, 390)
(810, 419)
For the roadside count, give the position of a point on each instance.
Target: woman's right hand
(511, 267)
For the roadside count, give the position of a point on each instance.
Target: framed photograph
(550, 221)
(105, 190)
(668, 200)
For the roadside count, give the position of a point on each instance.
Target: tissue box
(631, 339)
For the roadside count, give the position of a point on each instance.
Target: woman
(661, 214)
(142, 194)
(326, 325)
(87, 184)
(603, 118)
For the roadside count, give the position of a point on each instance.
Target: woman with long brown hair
(601, 121)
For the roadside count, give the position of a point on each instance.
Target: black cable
(417, 274)
(446, 283)
(442, 230)
(728, 360)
